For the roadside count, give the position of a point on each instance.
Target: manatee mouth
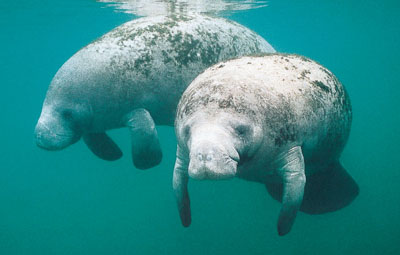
(235, 158)
(204, 167)
(52, 146)
(48, 140)
(212, 153)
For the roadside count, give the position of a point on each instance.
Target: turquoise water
(70, 202)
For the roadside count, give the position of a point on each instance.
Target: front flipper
(180, 183)
(102, 146)
(290, 168)
(146, 150)
(329, 189)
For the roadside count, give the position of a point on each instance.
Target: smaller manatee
(133, 77)
(280, 120)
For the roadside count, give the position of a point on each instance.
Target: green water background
(70, 202)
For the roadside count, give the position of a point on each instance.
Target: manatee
(133, 77)
(277, 119)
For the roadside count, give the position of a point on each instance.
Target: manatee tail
(327, 190)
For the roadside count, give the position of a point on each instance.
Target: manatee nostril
(39, 135)
(204, 157)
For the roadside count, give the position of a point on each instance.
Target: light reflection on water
(166, 7)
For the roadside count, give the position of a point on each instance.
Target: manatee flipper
(102, 146)
(180, 186)
(146, 150)
(327, 190)
(290, 168)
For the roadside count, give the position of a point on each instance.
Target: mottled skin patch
(321, 85)
(295, 101)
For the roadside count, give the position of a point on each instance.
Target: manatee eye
(186, 131)
(242, 130)
(67, 114)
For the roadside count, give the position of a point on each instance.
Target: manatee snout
(209, 160)
(51, 135)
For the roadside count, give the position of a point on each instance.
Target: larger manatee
(281, 120)
(133, 77)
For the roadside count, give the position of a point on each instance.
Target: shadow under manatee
(325, 191)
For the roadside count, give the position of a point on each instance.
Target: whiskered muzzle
(208, 161)
(49, 139)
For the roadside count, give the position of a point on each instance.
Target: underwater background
(70, 202)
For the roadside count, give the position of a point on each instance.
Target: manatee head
(62, 122)
(217, 142)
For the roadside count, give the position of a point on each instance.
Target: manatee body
(281, 120)
(133, 77)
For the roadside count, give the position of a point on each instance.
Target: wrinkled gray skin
(133, 77)
(270, 119)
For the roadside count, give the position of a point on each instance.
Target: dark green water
(70, 202)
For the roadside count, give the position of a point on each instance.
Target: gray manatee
(280, 120)
(133, 77)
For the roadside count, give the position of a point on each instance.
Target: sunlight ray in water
(166, 7)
